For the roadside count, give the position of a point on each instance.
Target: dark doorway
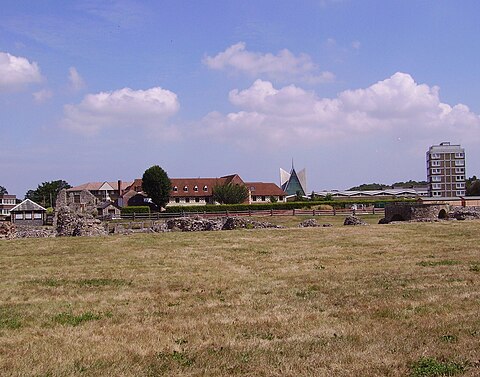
(397, 217)
(442, 214)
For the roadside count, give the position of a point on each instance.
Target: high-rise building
(446, 170)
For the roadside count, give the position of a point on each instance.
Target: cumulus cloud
(76, 81)
(17, 71)
(120, 110)
(397, 105)
(284, 66)
(42, 95)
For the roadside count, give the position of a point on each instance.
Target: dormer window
(175, 188)
(252, 188)
(185, 188)
(205, 188)
(195, 188)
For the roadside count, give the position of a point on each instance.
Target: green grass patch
(95, 282)
(9, 321)
(430, 367)
(75, 320)
(444, 262)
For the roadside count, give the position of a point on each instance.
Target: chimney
(119, 187)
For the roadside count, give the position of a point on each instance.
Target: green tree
(3, 191)
(230, 193)
(46, 193)
(157, 185)
(473, 186)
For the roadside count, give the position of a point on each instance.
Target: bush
(278, 206)
(135, 209)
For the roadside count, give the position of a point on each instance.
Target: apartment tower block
(446, 170)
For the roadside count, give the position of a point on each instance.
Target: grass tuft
(445, 262)
(75, 320)
(430, 367)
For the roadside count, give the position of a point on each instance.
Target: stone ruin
(353, 220)
(77, 219)
(312, 223)
(193, 224)
(427, 212)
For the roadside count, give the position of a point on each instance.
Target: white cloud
(395, 106)
(17, 71)
(284, 66)
(42, 95)
(76, 81)
(122, 109)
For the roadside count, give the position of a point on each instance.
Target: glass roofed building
(293, 183)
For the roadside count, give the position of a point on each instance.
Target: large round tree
(157, 185)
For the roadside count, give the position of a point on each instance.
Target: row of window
(4, 211)
(438, 186)
(188, 200)
(7, 201)
(28, 216)
(440, 193)
(195, 188)
(437, 156)
(438, 163)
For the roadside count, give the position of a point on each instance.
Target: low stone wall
(415, 212)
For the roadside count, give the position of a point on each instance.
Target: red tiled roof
(264, 189)
(95, 186)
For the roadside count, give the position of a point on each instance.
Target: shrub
(135, 209)
(430, 367)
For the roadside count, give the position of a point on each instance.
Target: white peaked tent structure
(293, 182)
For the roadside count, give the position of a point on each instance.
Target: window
(177, 200)
(460, 185)
(254, 198)
(197, 200)
(76, 199)
(436, 171)
(252, 188)
(435, 155)
(175, 188)
(185, 188)
(195, 188)
(459, 170)
(37, 216)
(28, 216)
(19, 216)
(187, 200)
(436, 179)
(436, 193)
(459, 163)
(435, 163)
(205, 188)
(437, 186)
(280, 198)
(460, 177)
(460, 193)
(459, 155)
(263, 198)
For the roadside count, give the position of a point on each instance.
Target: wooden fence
(269, 212)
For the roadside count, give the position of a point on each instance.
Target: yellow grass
(339, 301)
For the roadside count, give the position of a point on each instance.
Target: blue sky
(354, 91)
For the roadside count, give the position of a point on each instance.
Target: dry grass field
(378, 300)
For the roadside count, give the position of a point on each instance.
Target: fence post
(271, 211)
(314, 212)
(293, 212)
(334, 211)
(249, 212)
(373, 210)
(133, 216)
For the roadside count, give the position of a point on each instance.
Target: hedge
(280, 206)
(135, 209)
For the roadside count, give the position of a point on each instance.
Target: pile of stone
(465, 213)
(68, 222)
(353, 220)
(231, 223)
(309, 223)
(199, 224)
(193, 224)
(7, 230)
(34, 232)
